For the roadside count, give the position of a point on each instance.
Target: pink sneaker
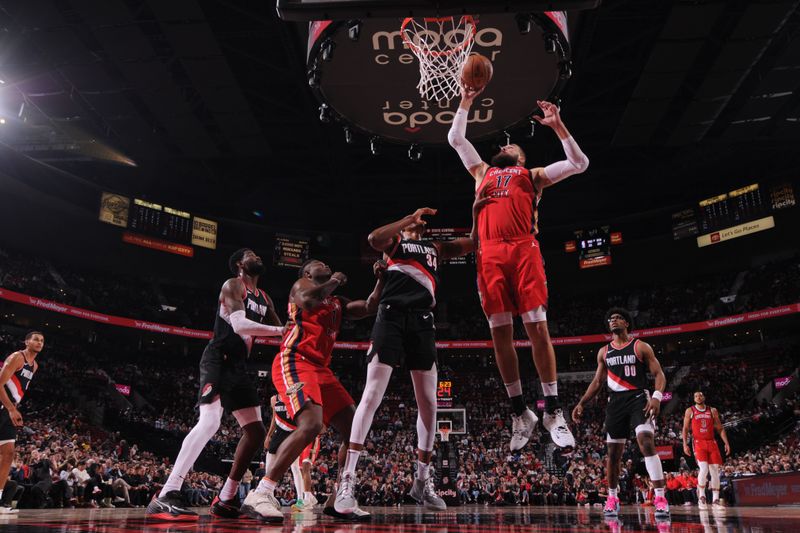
(612, 506)
(662, 507)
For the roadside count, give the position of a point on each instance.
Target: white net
(441, 45)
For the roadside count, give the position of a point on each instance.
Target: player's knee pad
(210, 416)
(647, 427)
(538, 314)
(247, 415)
(500, 319)
(702, 474)
(714, 469)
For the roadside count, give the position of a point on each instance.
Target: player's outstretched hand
(468, 94)
(577, 413)
(421, 212)
(340, 277)
(552, 116)
(686, 450)
(652, 408)
(379, 268)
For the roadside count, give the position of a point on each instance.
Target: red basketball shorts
(707, 451)
(298, 382)
(511, 276)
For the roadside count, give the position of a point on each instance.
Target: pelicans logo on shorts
(294, 389)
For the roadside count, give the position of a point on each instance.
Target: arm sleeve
(457, 139)
(244, 326)
(575, 163)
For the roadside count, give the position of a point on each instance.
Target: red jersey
(310, 334)
(702, 424)
(514, 211)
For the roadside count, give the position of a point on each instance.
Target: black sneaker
(172, 507)
(226, 509)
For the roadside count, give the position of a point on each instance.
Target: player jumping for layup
(511, 278)
(17, 372)
(403, 332)
(703, 421)
(225, 385)
(313, 395)
(623, 364)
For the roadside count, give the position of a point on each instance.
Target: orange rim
(467, 19)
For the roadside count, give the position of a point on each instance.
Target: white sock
(297, 476)
(266, 486)
(268, 461)
(613, 492)
(308, 495)
(193, 444)
(422, 470)
(229, 490)
(714, 495)
(550, 389)
(660, 492)
(351, 462)
(514, 389)
(701, 492)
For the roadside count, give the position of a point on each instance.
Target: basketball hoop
(442, 45)
(444, 434)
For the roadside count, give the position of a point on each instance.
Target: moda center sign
(371, 83)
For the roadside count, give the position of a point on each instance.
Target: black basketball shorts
(278, 436)
(8, 431)
(404, 335)
(625, 413)
(229, 381)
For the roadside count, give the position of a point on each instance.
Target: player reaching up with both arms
(511, 278)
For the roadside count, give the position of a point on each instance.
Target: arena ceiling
(209, 99)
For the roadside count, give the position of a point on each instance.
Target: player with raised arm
(623, 364)
(511, 277)
(301, 373)
(244, 312)
(704, 421)
(404, 332)
(16, 374)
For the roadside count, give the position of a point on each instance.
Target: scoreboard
(451, 234)
(594, 247)
(728, 211)
(157, 226)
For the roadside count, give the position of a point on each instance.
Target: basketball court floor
(468, 519)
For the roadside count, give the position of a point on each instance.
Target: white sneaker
(309, 500)
(558, 428)
(717, 505)
(8, 511)
(424, 492)
(262, 506)
(346, 502)
(522, 427)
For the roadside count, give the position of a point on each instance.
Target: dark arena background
(143, 142)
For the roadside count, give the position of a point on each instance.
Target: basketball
(477, 72)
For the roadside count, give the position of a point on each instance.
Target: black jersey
(282, 418)
(19, 381)
(626, 369)
(412, 276)
(227, 342)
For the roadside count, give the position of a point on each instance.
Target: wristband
(657, 395)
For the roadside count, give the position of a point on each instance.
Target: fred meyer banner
(78, 312)
(665, 453)
(770, 489)
(736, 231)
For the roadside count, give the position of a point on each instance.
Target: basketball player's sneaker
(522, 427)
(226, 509)
(6, 511)
(358, 515)
(346, 502)
(717, 505)
(559, 430)
(701, 503)
(611, 510)
(662, 507)
(309, 500)
(262, 506)
(424, 492)
(173, 507)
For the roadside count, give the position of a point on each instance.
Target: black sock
(518, 404)
(551, 403)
